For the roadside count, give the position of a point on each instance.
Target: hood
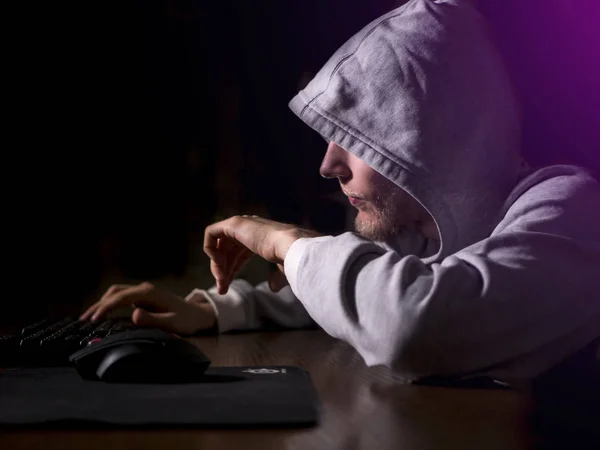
(422, 97)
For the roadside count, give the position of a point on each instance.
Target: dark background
(130, 126)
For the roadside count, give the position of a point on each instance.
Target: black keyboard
(51, 341)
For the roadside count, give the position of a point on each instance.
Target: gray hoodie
(422, 97)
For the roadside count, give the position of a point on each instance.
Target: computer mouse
(141, 356)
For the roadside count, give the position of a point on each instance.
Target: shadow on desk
(567, 402)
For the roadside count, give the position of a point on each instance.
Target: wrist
(206, 317)
(287, 238)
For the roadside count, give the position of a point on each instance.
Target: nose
(335, 163)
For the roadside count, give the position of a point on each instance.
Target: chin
(373, 228)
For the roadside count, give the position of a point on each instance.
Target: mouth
(354, 200)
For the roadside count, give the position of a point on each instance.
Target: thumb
(164, 321)
(277, 280)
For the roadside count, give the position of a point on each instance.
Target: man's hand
(155, 308)
(230, 243)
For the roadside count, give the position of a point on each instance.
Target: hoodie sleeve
(247, 307)
(509, 307)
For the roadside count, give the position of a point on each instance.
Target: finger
(218, 260)
(228, 249)
(277, 279)
(241, 230)
(240, 259)
(234, 251)
(109, 292)
(131, 295)
(150, 298)
(237, 261)
(90, 311)
(165, 321)
(219, 270)
(116, 288)
(215, 233)
(230, 252)
(221, 277)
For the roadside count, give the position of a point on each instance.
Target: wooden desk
(362, 408)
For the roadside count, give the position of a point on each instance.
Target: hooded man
(464, 262)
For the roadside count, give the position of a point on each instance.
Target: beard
(381, 219)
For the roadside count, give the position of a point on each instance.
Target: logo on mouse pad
(264, 371)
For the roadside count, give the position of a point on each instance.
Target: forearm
(474, 314)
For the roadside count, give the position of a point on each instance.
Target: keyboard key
(34, 339)
(30, 329)
(58, 334)
(51, 341)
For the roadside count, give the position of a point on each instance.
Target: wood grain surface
(361, 407)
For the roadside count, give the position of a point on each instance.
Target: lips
(354, 201)
(353, 198)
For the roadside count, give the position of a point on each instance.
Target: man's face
(384, 209)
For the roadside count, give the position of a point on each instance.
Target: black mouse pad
(223, 397)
